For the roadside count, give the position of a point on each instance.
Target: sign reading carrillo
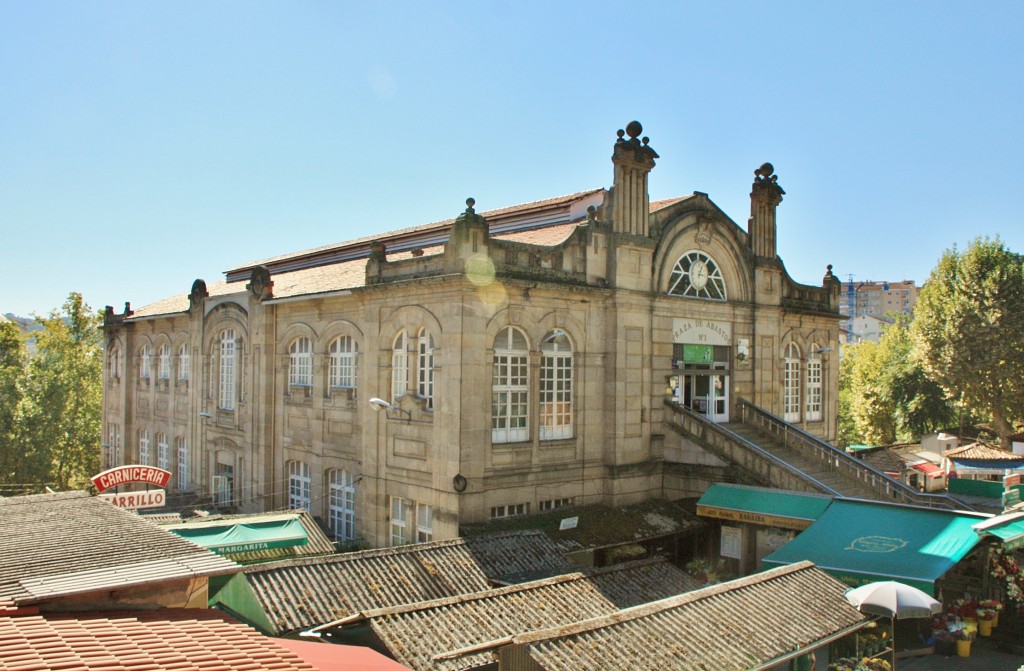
(122, 475)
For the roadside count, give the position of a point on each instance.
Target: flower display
(1004, 567)
(861, 664)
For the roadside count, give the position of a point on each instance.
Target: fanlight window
(696, 275)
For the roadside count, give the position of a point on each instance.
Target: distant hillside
(26, 324)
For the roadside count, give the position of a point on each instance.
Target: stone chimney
(633, 160)
(765, 196)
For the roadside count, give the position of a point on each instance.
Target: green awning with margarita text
(226, 538)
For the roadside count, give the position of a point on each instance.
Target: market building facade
(477, 368)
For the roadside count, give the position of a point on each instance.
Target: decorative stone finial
(642, 153)
(633, 129)
(470, 202)
(828, 270)
(766, 181)
(260, 285)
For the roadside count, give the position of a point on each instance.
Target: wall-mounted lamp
(379, 404)
(206, 415)
(821, 350)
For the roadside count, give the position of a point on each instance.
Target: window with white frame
(510, 391)
(163, 363)
(813, 391)
(425, 368)
(344, 352)
(299, 486)
(162, 451)
(183, 362)
(341, 505)
(114, 446)
(224, 484)
(424, 523)
(183, 474)
(227, 370)
(696, 275)
(791, 384)
(510, 510)
(401, 509)
(300, 363)
(399, 367)
(144, 362)
(556, 386)
(144, 447)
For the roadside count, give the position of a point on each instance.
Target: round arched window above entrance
(696, 275)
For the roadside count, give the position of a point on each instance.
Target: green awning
(862, 542)
(758, 505)
(224, 537)
(1009, 529)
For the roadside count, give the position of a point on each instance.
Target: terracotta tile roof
(302, 593)
(169, 639)
(736, 625)
(53, 545)
(414, 634)
(317, 541)
(981, 451)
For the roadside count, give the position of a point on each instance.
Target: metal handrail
(681, 410)
(839, 461)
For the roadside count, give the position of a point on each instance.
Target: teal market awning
(224, 537)
(759, 505)
(861, 542)
(1009, 529)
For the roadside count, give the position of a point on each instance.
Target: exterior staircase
(781, 455)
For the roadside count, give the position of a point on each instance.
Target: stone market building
(487, 366)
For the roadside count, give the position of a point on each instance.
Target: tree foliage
(969, 330)
(56, 434)
(12, 372)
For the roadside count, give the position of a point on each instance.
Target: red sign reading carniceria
(122, 475)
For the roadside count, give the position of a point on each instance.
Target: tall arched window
(556, 386)
(696, 275)
(145, 354)
(425, 368)
(341, 505)
(399, 367)
(183, 362)
(227, 371)
(510, 390)
(115, 363)
(791, 384)
(299, 485)
(300, 363)
(344, 352)
(162, 454)
(144, 447)
(163, 363)
(183, 470)
(814, 396)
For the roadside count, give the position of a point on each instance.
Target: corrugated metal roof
(169, 639)
(302, 593)
(741, 624)
(53, 545)
(414, 634)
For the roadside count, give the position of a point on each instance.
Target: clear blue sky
(145, 144)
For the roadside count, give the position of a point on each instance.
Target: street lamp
(379, 404)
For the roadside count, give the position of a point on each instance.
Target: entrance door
(718, 403)
(705, 394)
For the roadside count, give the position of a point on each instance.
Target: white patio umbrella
(892, 599)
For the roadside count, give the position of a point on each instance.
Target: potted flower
(963, 641)
(993, 606)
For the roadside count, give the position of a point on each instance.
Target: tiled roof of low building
(414, 634)
(982, 451)
(157, 640)
(302, 593)
(54, 545)
(741, 624)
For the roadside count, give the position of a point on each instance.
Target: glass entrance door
(705, 394)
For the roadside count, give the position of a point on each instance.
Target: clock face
(698, 274)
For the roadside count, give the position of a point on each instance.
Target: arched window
(696, 275)
(144, 447)
(183, 362)
(344, 352)
(341, 505)
(183, 470)
(813, 393)
(227, 371)
(510, 391)
(162, 455)
(791, 384)
(556, 386)
(114, 455)
(145, 354)
(114, 363)
(399, 367)
(425, 368)
(299, 485)
(300, 363)
(163, 363)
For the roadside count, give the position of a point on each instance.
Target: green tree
(871, 415)
(12, 371)
(969, 330)
(61, 409)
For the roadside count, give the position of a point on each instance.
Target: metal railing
(737, 449)
(840, 463)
